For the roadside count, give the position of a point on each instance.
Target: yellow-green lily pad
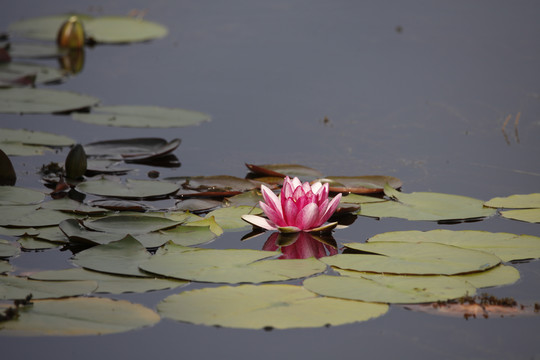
(518, 201)
(265, 306)
(12, 287)
(42, 101)
(131, 189)
(14, 195)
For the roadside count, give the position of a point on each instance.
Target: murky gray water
(418, 90)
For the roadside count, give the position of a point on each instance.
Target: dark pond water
(414, 89)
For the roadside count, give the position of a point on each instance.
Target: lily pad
(5, 267)
(390, 289)
(130, 224)
(18, 149)
(498, 276)
(131, 149)
(413, 258)
(356, 199)
(121, 257)
(13, 195)
(131, 189)
(426, 206)
(141, 116)
(30, 216)
(12, 287)
(40, 74)
(106, 29)
(33, 137)
(69, 205)
(7, 249)
(197, 205)
(18, 231)
(281, 170)
(42, 101)
(77, 233)
(107, 283)
(264, 306)
(247, 198)
(30, 243)
(35, 50)
(231, 266)
(219, 183)
(230, 218)
(79, 316)
(520, 201)
(507, 247)
(527, 215)
(368, 184)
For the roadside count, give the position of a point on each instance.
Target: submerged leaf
(141, 116)
(79, 316)
(264, 306)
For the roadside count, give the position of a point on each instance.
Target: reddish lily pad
(282, 170)
(368, 184)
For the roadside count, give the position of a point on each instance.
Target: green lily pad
(130, 224)
(507, 247)
(69, 205)
(13, 195)
(219, 183)
(107, 283)
(42, 101)
(230, 218)
(356, 199)
(131, 189)
(527, 215)
(520, 201)
(35, 50)
(426, 206)
(106, 29)
(40, 74)
(18, 231)
(30, 243)
(413, 258)
(5, 267)
(120, 257)
(77, 233)
(12, 287)
(131, 149)
(189, 235)
(498, 276)
(30, 216)
(247, 198)
(390, 289)
(18, 149)
(33, 137)
(7, 249)
(141, 116)
(361, 184)
(51, 234)
(197, 205)
(231, 266)
(264, 306)
(281, 170)
(78, 317)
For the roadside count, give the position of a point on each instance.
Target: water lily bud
(76, 162)
(71, 34)
(7, 173)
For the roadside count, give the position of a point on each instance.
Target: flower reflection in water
(301, 245)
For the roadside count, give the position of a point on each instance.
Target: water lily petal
(296, 183)
(316, 187)
(271, 199)
(332, 206)
(259, 221)
(290, 211)
(308, 217)
(273, 215)
(298, 193)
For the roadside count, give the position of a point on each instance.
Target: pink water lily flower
(299, 207)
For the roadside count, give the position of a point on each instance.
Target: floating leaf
(79, 316)
(42, 101)
(228, 266)
(219, 183)
(528, 215)
(230, 218)
(413, 258)
(356, 199)
(40, 74)
(106, 29)
(132, 189)
(497, 276)
(18, 232)
(130, 224)
(33, 137)
(79, 234)
(108, 283)
(248, 198)
(105, 166)
(30, 216)
(51, 234)
(281, 170)
(5, 267)
(197, 205)
(12, 287)
(18, 149)
(390, 289)
(7, 249)
(131, 149)
(35, 50)
(12, 195)
(520, 201)
(69, 205)
(141, 116)
(361, 184)
(507, 247)
(121, 205)
(120, 257)
(427, 206)
(30, 243)
(264, 306)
